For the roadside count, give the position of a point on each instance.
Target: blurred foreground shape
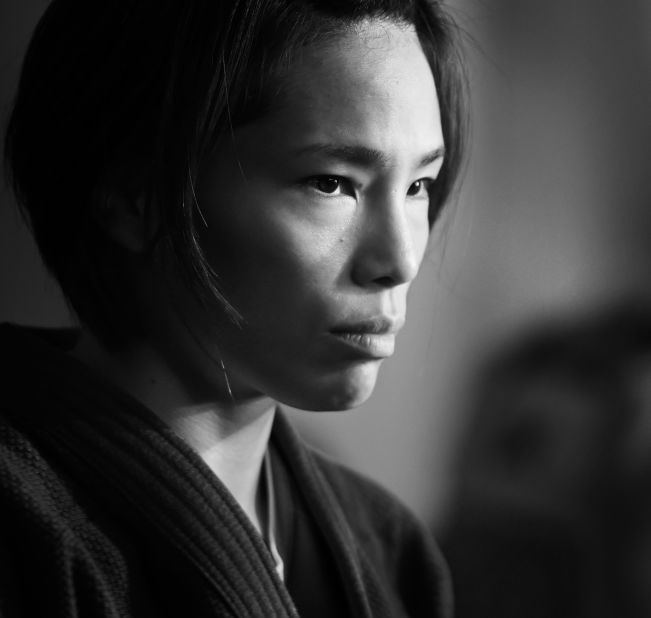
(551, 517)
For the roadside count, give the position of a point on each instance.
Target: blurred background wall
(553, 220)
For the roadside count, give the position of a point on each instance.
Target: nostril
(385, 282)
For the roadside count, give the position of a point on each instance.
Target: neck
(232, 442)
(230, 436)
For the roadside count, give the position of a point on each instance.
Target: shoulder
(379, 520)
(25, 475)
(399, 547)
(36, 497)
(33, 525)
(370, 507)
(362, 495)
(54, 537)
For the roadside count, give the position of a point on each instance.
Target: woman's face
(317, 219)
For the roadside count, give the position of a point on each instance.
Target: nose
(391, 245)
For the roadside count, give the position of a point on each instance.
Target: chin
(342, 390)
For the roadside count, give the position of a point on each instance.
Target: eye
(331, 185)
(420, 187)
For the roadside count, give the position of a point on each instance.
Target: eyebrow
(361, 155)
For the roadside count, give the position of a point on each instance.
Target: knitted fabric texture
(86, 473)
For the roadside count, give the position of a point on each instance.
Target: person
(234, 197)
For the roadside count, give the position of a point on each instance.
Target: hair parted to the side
(128, 97)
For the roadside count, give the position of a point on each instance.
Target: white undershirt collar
(271, 517)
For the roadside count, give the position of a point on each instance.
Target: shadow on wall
(551, 515)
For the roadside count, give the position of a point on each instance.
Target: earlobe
(125, 221)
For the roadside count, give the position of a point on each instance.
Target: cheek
(420, 232)
(423, 242)
(273, 257)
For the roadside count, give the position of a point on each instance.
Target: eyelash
(425, 183)
(341, 182)
(344, 183)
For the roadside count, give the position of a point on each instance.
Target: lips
(370, 326)
(372, 338)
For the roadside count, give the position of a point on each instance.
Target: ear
(126, 221)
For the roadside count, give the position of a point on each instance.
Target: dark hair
(129, 96)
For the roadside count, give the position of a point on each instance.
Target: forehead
(371, 84)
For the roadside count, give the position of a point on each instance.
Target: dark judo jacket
(105, 512)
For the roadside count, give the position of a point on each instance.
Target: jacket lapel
(365, 596)
(107, 437)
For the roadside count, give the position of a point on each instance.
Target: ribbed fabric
(88, 477)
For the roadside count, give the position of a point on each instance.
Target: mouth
(372, 338)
